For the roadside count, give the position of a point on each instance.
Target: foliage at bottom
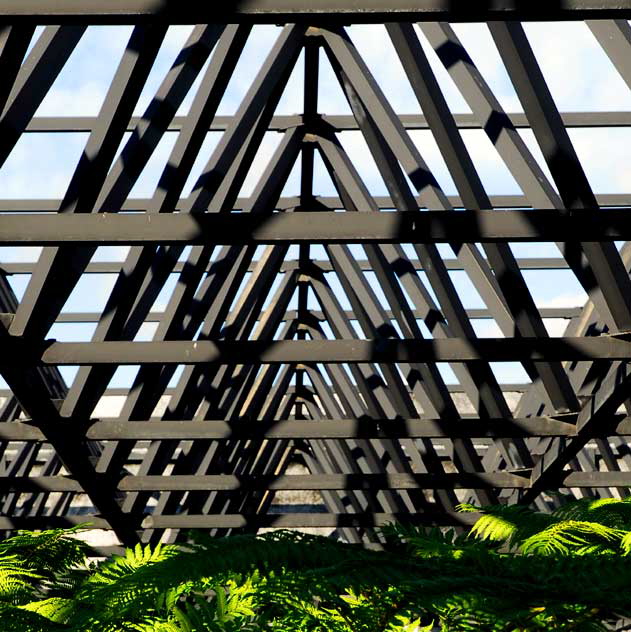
(517, 570)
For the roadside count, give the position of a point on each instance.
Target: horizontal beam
(122, 391)
(595, 479)
(114, 267)
(475, 314)
(236, 521)
(299, 520)
(140, 205)
(228, 482)
(19, 353)
(341, 122)
(318, 482)
(456, 480)
(12, 523)
(115, 430)
(333, 429)
(320, 227)
(275, 11)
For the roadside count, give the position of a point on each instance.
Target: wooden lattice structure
(307, 326)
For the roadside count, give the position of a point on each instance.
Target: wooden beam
(486, 226)
(20, 353)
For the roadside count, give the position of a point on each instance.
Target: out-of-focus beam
(340, 11)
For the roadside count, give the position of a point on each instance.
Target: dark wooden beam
(341, 122)
(597, 413)
(337, 11)
(488, 226)
(20, 353)
(318, 482)
(114, 430)
(297, 520)
(114, 267)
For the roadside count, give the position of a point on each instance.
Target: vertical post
(306, 192)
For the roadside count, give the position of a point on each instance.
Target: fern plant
(517, 570)
(581, 527)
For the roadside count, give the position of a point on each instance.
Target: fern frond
(562, 574)
(18, 619)
(507, 524)
(625, 543)
(119, 566)
(50, 551)
(55, 609)
(424, 542)
(573, 536)
(17, 583)
(611, 512)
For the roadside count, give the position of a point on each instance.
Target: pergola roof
(307, 326)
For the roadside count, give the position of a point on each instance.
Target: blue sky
(579, 74)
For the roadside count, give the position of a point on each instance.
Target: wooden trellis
(356, 392)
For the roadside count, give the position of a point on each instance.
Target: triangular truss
(306, 329)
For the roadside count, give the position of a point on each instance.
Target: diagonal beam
(235, 154)
(598, 414)
(610, 273)
(485, 390)
(33, 81)
(565, 167)
(14, 42)
(383, 396)
(268, 190)
(59, 269)
(201, 456)
(122, 316)
(342, 172)
(469, 185)
(360, 455)
(159, 113)
(615, 38)
(478, 380)
(263, 397)
(24, 460)
(509, 144)
(258, 459)
(338, 456)
(214, 298)
(524, 168)
(514, 309)
(275, 71)
(237, 260)
(32, 393)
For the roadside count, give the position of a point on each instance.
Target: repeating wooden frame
(354, 390)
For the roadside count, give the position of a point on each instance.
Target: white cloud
(87, 73)
(479, 44)
(577, 70)
(83, 100)
(565, 299)
(40, 165)
(605, 156)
